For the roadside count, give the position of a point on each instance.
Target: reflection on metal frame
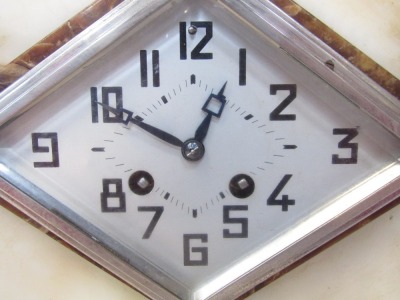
(329, 222)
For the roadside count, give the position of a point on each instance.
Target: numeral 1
(242, 66)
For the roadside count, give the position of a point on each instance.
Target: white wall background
(364, 265)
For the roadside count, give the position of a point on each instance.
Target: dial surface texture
(194, 143)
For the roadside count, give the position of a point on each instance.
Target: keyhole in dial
(141, 183)
(241, 186)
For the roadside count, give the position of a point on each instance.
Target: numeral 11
(155, 67)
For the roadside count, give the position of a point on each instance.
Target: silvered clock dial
(178, 145)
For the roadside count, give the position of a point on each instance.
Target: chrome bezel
(380, 191)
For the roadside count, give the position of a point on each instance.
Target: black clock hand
(165, 136)
(201, 131)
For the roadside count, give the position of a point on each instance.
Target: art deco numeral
(285, 201)
(350, 133)
(155, 67)
(276, 114)
(108, 94)
(189, 251)
(242, 66)
(196, 53)
(53, 149)
(112, 197)
(243, 222)
(158, 210)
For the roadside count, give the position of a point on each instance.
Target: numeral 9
(53, 149)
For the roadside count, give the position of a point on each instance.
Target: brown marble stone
(9, 73)
(18, 67)
(341, 46)
(66, 32)
(53, 41)
(77, 24)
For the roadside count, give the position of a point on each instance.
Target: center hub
(193, 150)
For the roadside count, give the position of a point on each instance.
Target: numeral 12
(196, 53)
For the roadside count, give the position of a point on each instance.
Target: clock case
(288, 35)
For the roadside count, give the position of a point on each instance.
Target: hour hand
(126, 116)
(213, 107)
(120, 113)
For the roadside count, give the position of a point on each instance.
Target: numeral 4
(285, 201)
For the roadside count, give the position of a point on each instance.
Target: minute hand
(161, 134)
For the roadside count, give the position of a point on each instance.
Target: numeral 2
(196, 52)
(53, 149)
(350, 133)
(276, 114)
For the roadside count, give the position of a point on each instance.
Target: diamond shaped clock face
(179, 137)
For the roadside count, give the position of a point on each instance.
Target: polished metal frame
(346, 211)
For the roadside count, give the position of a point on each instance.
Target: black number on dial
(53, 149)
(158, 210)
(112, 197)
(195, 256)
(242, 66)
(155, 58)
(285, 201)
(106, 97)
(276, 114)
(243, 222)
(196, 52)
(350, 133)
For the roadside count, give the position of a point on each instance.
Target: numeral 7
(158, 210)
